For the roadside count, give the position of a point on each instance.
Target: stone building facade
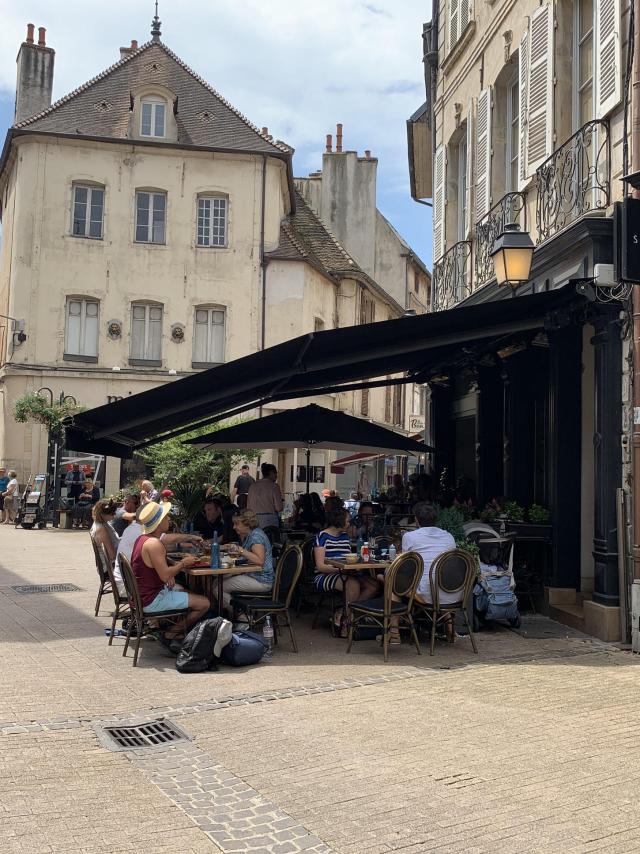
(524, 122)
(147, 233)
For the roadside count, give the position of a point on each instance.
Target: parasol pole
(307, 467)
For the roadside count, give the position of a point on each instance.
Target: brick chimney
(126, 51)
(35, 75)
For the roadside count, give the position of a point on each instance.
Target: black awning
(316, 364)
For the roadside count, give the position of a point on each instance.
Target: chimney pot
(329, 142)
(338, 137)
(265, 131)
(134, 44)
(367, 154)
(30, 30)
(41, 37)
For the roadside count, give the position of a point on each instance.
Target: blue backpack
(243, 649)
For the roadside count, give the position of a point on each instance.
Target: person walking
(265, 498)
(10, 496)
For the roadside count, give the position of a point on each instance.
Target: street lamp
(512, 256)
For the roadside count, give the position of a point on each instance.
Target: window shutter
(540, 91)
(608, 56)
(454, 19)
(387, 404)
(523, 82)
(464, 16)
(364, 402)
(483, 154)
(439, 241)
(90, 344)
(469, 188)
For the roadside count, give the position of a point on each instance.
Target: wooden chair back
(402, 578)
(98, 559)
(453, 572)
(288, 570)
(108, 569)
(130, 584)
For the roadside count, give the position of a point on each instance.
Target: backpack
(243, 649)
(196, 653)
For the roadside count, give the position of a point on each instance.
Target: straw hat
(152, 514)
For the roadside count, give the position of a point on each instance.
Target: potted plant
(536, 527)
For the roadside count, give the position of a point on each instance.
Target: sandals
(394, 638)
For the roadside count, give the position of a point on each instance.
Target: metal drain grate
(158, 733)
(44, 588)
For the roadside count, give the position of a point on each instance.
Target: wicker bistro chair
(106, 586)
(400, 583)
(138, 618)
(288, 570)
(454, 572)
(121, 603)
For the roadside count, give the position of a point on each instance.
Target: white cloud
(296, 68)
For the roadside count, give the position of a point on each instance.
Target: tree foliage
(189, 471)
(31, 407)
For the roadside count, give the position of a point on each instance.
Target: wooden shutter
(468, 218)
(454, 21)
(540, 90)
(608, 56)
(523, 91)
(364, 402)
(439, 238)
(483, 154)
(387, 404)
(464, 16)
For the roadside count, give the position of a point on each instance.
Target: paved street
(531, 746)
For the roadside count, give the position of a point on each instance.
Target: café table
(207, 574)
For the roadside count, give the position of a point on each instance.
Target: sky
(296, 68)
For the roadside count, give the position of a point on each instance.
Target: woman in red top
(156, 579)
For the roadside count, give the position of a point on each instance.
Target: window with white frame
(146, 332)
(151, 215)
(88, 211)
(512, 147)
(81, 330)
(212, 221)
(209, 335)
(584, 63)
(153, 117)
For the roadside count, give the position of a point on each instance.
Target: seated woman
(255, 548)
(81, 512)
(308, 512)
(333, 542)
(101, 531)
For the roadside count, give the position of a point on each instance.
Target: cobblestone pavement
(531, 746)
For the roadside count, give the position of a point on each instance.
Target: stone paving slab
(531, 746)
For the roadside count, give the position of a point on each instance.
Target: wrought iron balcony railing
(575, 180)
(510, 208)
(452, 276)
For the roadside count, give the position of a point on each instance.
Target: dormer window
(152, 118)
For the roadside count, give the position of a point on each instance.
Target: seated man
(81, 511)
(126, 514)
(210, 521)
(430, 542)
(128, 540)
(156, 579)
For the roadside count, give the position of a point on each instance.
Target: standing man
(4, 482)
(243, 483)
(265, 498)
(74, 481)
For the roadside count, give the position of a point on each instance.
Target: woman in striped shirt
(331, 543)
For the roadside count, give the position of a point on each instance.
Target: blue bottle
(215, 552)
(359, 544)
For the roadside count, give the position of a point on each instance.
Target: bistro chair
(400, 583)
(288, 572)
(138, 618)
(120, 601)
(453, 572)
(106, 586)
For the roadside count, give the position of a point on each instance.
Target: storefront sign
(629, 247)
(416, 423)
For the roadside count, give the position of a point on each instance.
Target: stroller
(493, 595)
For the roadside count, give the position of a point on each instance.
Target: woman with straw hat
(156, 579)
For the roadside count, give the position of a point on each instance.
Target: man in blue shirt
(4, 480)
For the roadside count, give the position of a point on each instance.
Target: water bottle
(393, 552)
(267, 634)
(359, 546)
(215, 552)
(365, 554)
